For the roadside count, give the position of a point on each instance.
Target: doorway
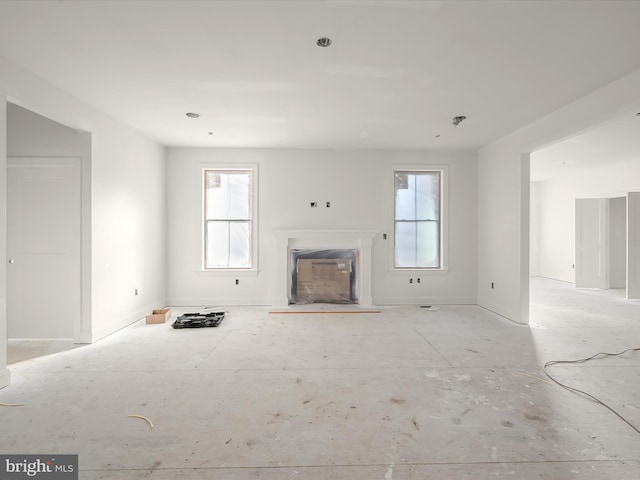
(611, 225)
(585, 207)
(601, 243)
(48, 231)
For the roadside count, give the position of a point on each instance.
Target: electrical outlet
(313, 204)
(411, 280)
(237, 281)
(135, 292)
(492, 285)
(384, 236)
(418, 280)
(328, 204)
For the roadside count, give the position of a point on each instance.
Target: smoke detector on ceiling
(323, 42)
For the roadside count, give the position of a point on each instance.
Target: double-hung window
(228, 219)
(417, 219)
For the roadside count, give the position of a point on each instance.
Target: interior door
(633, 245)
(592, 225)
(43, 247)
(618, 242)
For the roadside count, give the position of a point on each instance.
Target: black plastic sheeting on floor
(198, 320)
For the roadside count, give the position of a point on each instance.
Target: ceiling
(394, 77)
(617, 141)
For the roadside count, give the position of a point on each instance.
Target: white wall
(503, 193)
(30, 134)
(503, 232)
(557, 210)
(128, 228)
(127, 204)
(359, 185)
(557, 233)
(534, 229)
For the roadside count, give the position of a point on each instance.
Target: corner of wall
(525, 234)
(5, 378)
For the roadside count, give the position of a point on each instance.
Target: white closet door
(43, 247)
(592, 226)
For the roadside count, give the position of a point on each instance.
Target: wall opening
(48, 167)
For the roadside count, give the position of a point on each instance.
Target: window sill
(240, 272)
(412, 272)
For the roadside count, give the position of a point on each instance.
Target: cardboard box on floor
(324, 279)
(159, 316)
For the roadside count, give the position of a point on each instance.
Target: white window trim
(444, 220)
(254, 269)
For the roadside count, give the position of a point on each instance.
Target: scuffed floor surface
(402, 394)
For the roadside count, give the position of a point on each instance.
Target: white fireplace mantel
(287, 239)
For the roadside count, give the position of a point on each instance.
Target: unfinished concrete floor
(403, 394)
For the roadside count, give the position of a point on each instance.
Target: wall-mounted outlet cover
(328, 204)
(313, 204)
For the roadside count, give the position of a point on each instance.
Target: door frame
(633, 245)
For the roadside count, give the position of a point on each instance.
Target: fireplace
(323, 275)
(341, 241)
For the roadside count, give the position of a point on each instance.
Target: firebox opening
(323, 276)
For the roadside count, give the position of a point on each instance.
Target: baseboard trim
(557, 279)
(85, 337)
(104, 331)
(426, 301)
(220, 302)
(50, 340)
(507, 314)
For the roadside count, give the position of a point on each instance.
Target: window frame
(443, 171)
(252, 169)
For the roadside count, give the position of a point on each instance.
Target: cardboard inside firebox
(324, 279)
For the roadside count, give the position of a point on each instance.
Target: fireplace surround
(290, 239)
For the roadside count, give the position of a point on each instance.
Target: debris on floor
(198, 320)
(524, 374)
(159, 316)
(431, 308)
(141, 417)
